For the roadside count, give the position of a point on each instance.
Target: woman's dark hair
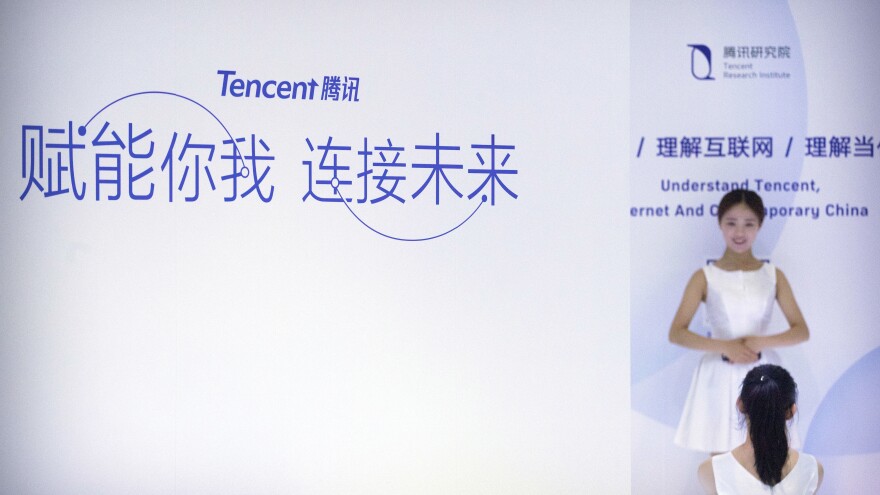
(768, 392)
(742, 196)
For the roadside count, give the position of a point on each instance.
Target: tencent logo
(701, 62)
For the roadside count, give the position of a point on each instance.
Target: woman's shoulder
(696, 286)
(809, 461)
(804, 469)
(706, 475)
(699, 279)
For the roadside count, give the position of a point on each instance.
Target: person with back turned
(765, 463)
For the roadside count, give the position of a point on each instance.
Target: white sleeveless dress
(731, 478)
(738, 304)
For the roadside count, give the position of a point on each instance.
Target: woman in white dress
(764, 463)
(739, 291)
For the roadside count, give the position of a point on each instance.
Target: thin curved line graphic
(82, 128)
(411, 239)
(82, 132)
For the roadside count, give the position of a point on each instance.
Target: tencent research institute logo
(701, 62)
(754, 61)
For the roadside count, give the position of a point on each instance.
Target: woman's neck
(745, 454)
(731, 260)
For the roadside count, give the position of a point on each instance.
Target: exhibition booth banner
(774, 98)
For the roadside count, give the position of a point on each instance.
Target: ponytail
(768, 392)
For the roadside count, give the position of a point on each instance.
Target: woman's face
(740, 226)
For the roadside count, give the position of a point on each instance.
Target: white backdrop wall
(281, 346)
(156, 346)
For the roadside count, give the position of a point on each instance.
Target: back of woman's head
(767, 396)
